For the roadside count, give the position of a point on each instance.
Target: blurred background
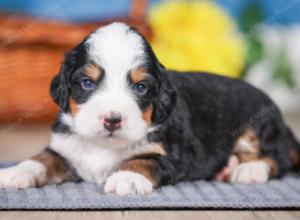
(255, 40)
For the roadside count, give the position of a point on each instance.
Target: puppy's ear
(55, 88)
(60, 88)
(59, 91)
(166, 100)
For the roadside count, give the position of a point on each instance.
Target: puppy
(128, 123)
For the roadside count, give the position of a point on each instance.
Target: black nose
(112, 123)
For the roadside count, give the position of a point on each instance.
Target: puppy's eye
(141, 88)
(88, 84)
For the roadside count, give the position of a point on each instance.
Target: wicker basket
(30, 55)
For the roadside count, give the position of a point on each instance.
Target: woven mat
(276, 194)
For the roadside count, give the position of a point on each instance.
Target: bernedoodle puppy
(130, 124)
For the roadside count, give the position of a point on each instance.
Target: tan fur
(147, 115)
(141, 166)
(73, 106)
(247, 157)
(294, 158)
(273, 166)
(93, 71)
(247, 142)
(157, 149)
(142, 162)
(138, 75)
(247, 149)
(57, 170)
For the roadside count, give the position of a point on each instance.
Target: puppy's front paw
(126, 183)
(26, 174)
(251, 172)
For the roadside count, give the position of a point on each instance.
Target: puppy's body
(127, 122)
(215, 117)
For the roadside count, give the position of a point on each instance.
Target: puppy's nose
(113, 122)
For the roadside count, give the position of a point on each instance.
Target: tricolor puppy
(130, 124)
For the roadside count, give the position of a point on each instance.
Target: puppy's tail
(294, 150)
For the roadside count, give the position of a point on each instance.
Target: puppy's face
(110, 86)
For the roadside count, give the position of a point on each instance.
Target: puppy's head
(112, 87)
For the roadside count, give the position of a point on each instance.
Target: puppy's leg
(46, 167)
(253, 167)
(136, 176)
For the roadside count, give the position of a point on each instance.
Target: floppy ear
(59, 91)
(60, 88)
(166, 100)
(60, 84)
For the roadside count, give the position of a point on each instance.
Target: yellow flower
(197, 35)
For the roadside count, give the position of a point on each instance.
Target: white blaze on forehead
(116, 49)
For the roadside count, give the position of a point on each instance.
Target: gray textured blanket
(275, 194)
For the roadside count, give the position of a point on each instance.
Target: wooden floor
(19, 141)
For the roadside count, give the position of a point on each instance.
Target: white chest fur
(93, 162)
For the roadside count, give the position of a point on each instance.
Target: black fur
(164, 103)
(209, 115)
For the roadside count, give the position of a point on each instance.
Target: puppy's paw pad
(251, 172)
(127, 183)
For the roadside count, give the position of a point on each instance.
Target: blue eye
(88, 84)
(141, 88)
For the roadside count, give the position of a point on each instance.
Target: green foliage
(251, 18)
(255, 50)
(282, 70)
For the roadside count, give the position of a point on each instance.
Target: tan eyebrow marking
(138, 74)
(93, 71)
